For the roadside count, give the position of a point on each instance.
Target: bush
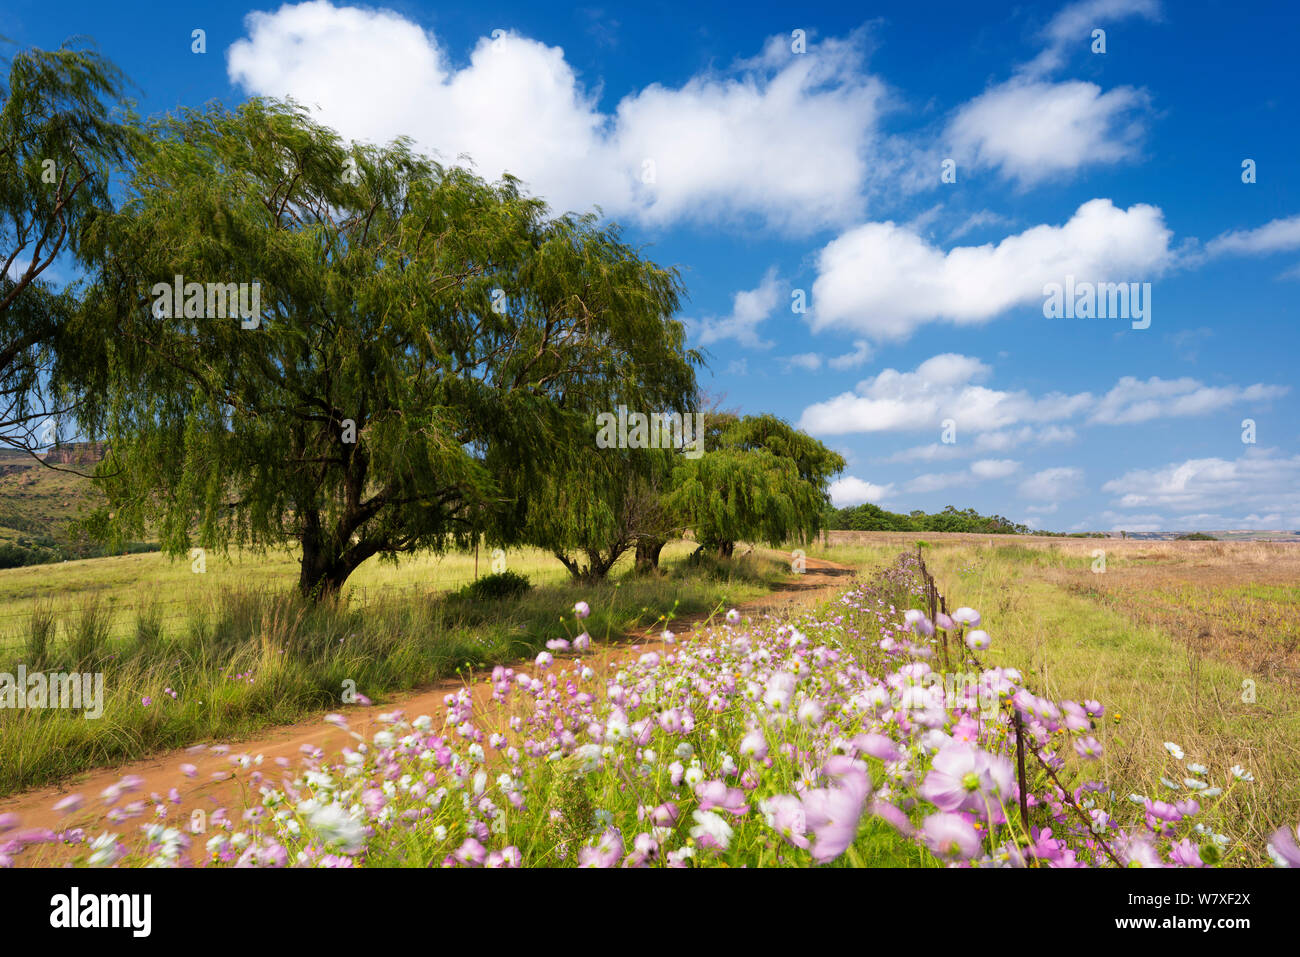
(496, 587)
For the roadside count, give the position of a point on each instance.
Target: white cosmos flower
(337, 828)
(1174, 749)
(711, 825)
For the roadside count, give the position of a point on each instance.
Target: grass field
(1196, 643)
(223, 654)
(129, 584)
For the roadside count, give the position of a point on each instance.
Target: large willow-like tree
(59, 141)
(428, 344)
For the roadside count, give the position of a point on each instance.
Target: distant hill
(39, 504)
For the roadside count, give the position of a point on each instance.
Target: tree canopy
(760, 480)
(420, 347)
(59, 142)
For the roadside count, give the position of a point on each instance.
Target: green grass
(244, 623)
(128, 583)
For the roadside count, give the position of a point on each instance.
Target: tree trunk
(323, 568)
(725, 549)
(647, 554)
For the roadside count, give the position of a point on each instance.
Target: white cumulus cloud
(783, 137)
(850, 491)
(883, 280)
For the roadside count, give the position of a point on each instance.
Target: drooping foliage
(427, 347)
(760, 480)
(60, 139)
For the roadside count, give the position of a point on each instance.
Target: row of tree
(873, 518)
(426, 365)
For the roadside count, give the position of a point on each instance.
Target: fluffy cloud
(980, 471)
(784, 137)
(1071, 29)
(985, 442)
(1132, 400)
(883, 280)
(950, 386)
(860, 355)
(849, 491)
(1280, 235)
(1032, 131)
(994, 468)
(937, 482)
(804, 361)
(1053, 485)
(1259, 480)
(749, 309)
(944, 386)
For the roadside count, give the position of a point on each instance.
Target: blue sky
(796, 154)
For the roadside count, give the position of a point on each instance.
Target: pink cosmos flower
(1088, 747)
(1283, 847)
(833, 814)
(950, 835)
(878, 746)
(1187, 854)
(754, 745)
(582, 609)
(785, 815)
(965, 778)
(471, 852)
(607, 852)
(893, 816)
(716, 794)
(67, 805)
(665, 815)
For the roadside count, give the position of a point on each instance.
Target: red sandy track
(219, 783)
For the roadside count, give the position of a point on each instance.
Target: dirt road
(215, 782)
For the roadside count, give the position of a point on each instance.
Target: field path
(215, 785)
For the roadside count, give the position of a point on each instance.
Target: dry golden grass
(1197, 643)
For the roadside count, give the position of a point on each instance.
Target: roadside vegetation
(244, 657)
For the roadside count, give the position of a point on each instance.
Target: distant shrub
(495, 587)
(1196, 537)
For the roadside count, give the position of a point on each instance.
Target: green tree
(59, 141)
(760, 479)
(425, 348)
